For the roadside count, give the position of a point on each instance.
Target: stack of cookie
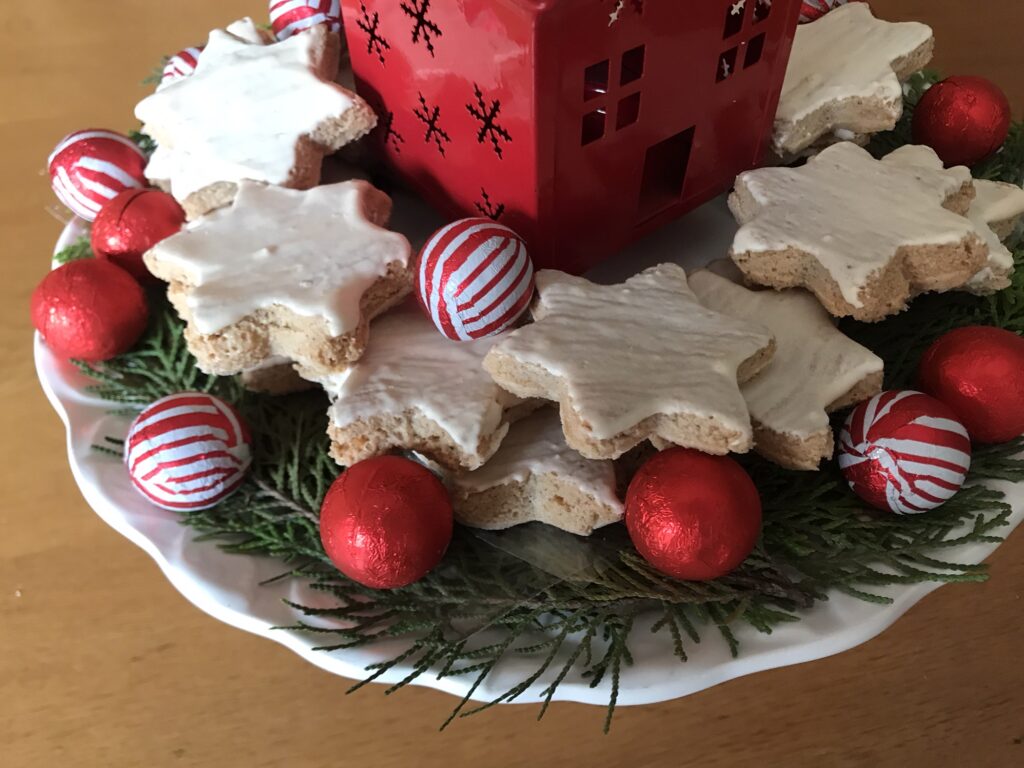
(274, 274)
(291, 284)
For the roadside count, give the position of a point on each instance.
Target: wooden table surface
(103, 663)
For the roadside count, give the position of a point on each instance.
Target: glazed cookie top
(850, 212)
(315, 252)
(635, 350)
(846, 56)
(994, 202)
(997, 201)
(244, 111)
(410, 366)
(814, 364)
(536, 446)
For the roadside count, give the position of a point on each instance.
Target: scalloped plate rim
(658, 676)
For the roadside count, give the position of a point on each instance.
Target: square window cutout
(664, 178)
(632, 65)
(593, 127)
(726, 65)
(755, 49)
(734, 12)
(595, 80)
(628, 112)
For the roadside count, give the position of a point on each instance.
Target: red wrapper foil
(812, 10)
(964, 119)
(978, 371)
(386, 522)
(904, 452)
(131, 224)
(89, 310)
(693, 516)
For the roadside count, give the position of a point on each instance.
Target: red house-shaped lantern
(581, 124)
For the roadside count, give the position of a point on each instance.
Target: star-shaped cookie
(251, 112)
(999, 204)
(863, 235)
(635, 361)
(844, 75)
(416, 390)
(535, 476)
(283, 272)
(996, 206)
(815, 370)
(996, 211)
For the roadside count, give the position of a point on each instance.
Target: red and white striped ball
(812, 10)
(188, 451)
(88, 168)
(288, 17)
(905, 452)
(179, 66)
(475, 279)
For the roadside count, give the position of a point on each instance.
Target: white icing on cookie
(850, 212)
(410, 366)
(246, 29)
(314, 252)
(643, 348)
(996, 274)
(842, 65)
(243, 112)
(814, 364)
(997, 201)
(536, 446)
(993, 203)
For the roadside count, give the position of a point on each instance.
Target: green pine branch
(80, 249)
(484, 603)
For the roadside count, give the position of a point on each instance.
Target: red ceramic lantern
(580, 124)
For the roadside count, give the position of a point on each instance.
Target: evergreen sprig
(574, 605)
(80, 249)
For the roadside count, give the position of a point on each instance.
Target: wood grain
(102, 663)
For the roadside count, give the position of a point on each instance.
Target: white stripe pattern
(88, 168)
(187, 451)
(288, 17)
(475, 279)
(179, 66)
(904, 451)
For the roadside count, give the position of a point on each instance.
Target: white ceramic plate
(228, 586)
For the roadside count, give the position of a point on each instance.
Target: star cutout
(416, 390)
(251, 112)
(996, 205)
(863, 235)
(635, 361)
(284, 272)
(844, 74)
(815, 370)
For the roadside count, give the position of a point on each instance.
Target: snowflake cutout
(738, 7)
(417, 10)
(488, 208)
(375, 42)
(431, 117)
(490, 128)
(391, 136)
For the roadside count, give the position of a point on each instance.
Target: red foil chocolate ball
(386, 522)
(89, 310)
(131, 224)
(964, 119)
(978, 372)
(693, 516)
